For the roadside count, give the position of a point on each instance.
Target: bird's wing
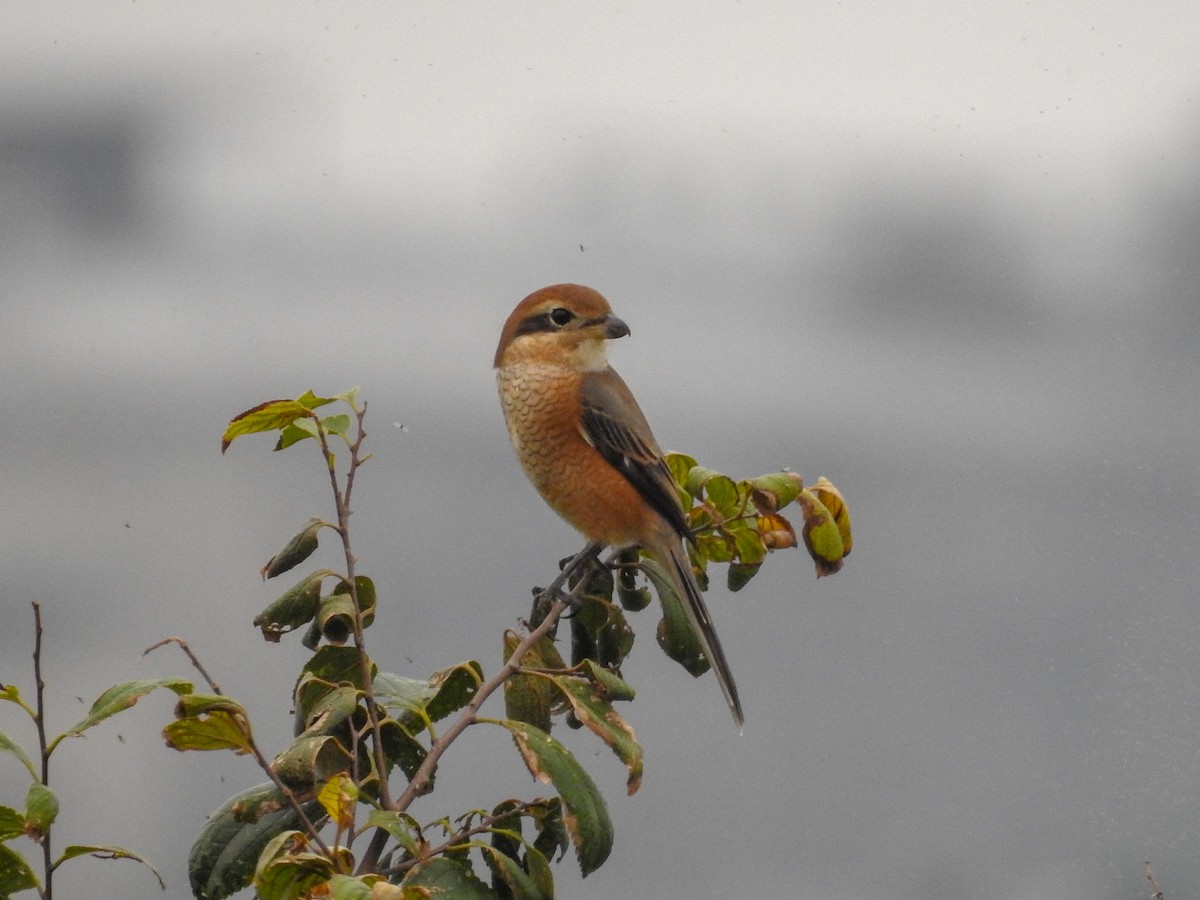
(613, 423)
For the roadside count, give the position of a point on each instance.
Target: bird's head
(564, 324)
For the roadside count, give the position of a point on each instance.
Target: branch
(419, 784)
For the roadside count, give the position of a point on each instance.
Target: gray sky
(942, 254)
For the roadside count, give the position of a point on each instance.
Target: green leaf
(337, 665)
(103, 851)
(679, 465)
(529, 697)
(294, 607)
(613, 686)
(600, 631)
(401, 826)
(41, 809)
(335, 616)
(300, 430)
(12, 823)
(675, 634)
(286, 871)
(402, 749)
(371, 887)
(449, 878)
(15, 874)
(8, 745)
(770, 493)
(723, 494)
(739, 575)
(311, 759)
(748, 543)
(606, 723)
(324, 711)
(296, 551)
(225, 854)
(209, 722)
(338, 424)
(120, 697)
(584, 812)
(401, 694)
(455, 688)
(273, 415)
(517, 882)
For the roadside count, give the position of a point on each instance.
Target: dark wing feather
(615, 426)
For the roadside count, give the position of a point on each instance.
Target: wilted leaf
(598, 715)
(102, 851)
(294, 607)
(296, 551)
(776, 531)
(821, 535)
(833, 501)
(224, 856)
(584, 812)
(770, 493)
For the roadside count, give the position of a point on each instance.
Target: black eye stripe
(545, 321)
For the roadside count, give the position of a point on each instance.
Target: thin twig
(40, 720)
(1158, 891)
(341, 501)
(183, 645)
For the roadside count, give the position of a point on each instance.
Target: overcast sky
(943, 254)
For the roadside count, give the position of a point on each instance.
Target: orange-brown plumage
(586, 446)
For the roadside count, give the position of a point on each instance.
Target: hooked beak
(614, 327)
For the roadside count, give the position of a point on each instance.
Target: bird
(584, 442)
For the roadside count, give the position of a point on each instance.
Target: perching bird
(584, 443)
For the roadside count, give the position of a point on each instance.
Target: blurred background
(947, 255)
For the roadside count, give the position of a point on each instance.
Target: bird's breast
(542, 408)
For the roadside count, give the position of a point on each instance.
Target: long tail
(697, 613)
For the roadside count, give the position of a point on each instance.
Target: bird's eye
(561, 316)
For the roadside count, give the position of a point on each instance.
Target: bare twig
(263, 763)
(183, 645)
(1158, 891)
